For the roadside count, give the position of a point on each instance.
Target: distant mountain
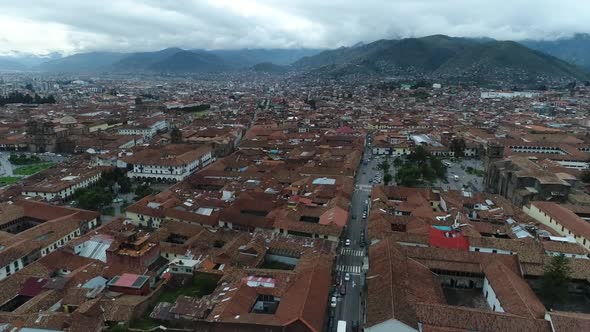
(442, 57)
(270, 68)
(574, 50)
(174, 60)
(246, 58)
(189, 61)
(142, 61)
(83, 62)
(9, 64)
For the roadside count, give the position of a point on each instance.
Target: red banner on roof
(447, 239)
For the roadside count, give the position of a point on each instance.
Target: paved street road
(351, 259)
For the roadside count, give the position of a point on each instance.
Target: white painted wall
(390, 326)
(490, 295)
(490, 250)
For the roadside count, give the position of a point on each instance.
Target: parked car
(333, 302)
(347, 242)
(347, 277)
(343, 289)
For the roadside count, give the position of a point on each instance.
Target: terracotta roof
(477, 320)
(569, 321)
(396, 283)
(566, 217)
(514, 294)
(168, 155)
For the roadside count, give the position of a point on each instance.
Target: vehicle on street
(347, 277)
(118, 200)
(365, 215)
(343, 289)
(347, 242)
(456, 177)
(446, 163)
(341, 326)
(333, 302)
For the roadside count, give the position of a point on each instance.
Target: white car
(347, 243)
(347, 277)
(333, 302)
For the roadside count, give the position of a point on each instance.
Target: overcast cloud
(71, 26)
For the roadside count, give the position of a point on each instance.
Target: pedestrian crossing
(352, 252)
(348, 268)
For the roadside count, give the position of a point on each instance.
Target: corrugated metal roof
(96, 248)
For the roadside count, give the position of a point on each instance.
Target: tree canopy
(102, 193)
(20, 98)
(554, 287)
(458, 147)
(420, 168)
(143, 190)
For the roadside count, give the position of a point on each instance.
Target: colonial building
(172, 162)
(521, 181)
(561, 220)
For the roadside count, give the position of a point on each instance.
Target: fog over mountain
(42, 27)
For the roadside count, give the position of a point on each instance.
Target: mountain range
(439, 56)
(173, 60)
(442, 57)
(575, 50)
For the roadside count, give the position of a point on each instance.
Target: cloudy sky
(71, 26)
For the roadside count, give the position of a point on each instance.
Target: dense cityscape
(398, 185)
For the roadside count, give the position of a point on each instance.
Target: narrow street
(352, 259)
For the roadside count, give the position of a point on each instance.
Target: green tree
(125, 185)
(585, 177)
(554, 287)
(143, 190)
(387, 178)
(458, 147)
(384, 166)
(409, 175)
(397, 162)
(93, 198)
(439, 168)
(419, 154)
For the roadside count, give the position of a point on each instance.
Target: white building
(36, 236)
(147, 128)
(561, 220)
(62, 187)
(172, 162)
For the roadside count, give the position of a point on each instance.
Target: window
(476, 249)
(495, 251)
